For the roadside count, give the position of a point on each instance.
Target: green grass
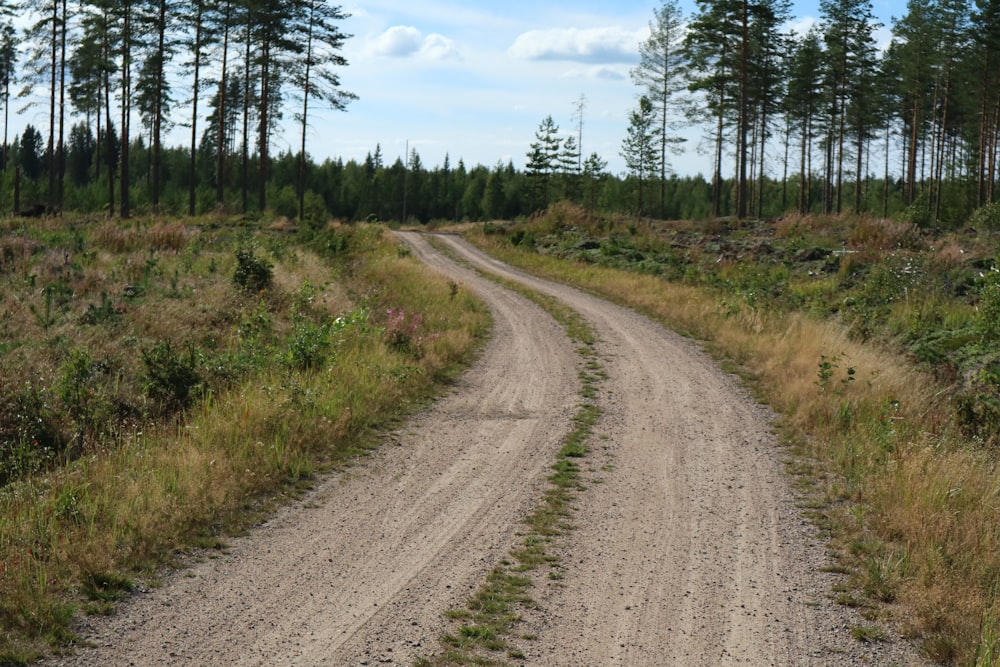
(77, 531)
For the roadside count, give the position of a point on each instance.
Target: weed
(868, 633)
(403, 331)
(828, 369)
(171, 377)
(104, 312)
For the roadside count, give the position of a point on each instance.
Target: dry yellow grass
(916, 510)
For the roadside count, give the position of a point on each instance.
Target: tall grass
(914, 508)
(75, 538)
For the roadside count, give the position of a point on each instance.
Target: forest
(823, 121)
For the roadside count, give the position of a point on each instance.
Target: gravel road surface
(688, 548)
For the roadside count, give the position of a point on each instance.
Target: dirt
(688, 547)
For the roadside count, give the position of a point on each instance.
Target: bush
(29, 435)
(309, 347)
(986, 217)
(171, 378)
(253, 273)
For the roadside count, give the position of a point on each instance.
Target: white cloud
(397, 42)
(600, 73)
(406, 41)
(593, 45)
(439, 47)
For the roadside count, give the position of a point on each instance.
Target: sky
(473, 80)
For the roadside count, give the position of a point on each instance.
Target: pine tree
(713, 47)
(848, 27)
(594, 172)
(661, 75)
(542, 161)
(8, 63)
(153, 98)
(639, 149)
(315, 74)
(803, 100)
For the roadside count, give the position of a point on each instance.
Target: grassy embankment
(164, 383)
(910, 499)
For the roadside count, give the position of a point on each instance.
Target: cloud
(600, 73)
(406, 41)
(594, 45)
(801, 26)
(397, 42)
(439, 47)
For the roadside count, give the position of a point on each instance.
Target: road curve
(361, 572)
(687, 550)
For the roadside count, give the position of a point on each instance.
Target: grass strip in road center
(486, 626)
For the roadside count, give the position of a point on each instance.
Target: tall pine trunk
(125, 208)
(305, 115)
(193, 171)
(220, 148)
(264, 138)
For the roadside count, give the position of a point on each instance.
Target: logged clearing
(687, 546)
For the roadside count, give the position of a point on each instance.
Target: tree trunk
(125, 208)
(61, 160)
(193, 171)
(220, 149)
(52, 107)
(246, 126)
(264, 138)
(158, 103)
(305, 114)
(107, 115)
(744, 112)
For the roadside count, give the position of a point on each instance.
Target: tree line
(818, 122)
(113, 61)
(820, 111)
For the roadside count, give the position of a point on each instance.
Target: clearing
(688, 547)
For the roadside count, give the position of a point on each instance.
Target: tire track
(689, 548)
(361, 572)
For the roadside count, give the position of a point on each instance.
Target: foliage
(171, 377)
(253, 273)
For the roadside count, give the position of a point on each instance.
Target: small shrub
(402, 330)
(252, 273)
(29, 436)
(171, 377)
(75, 388)
(986, 217)
(104, 312)
(309, 347)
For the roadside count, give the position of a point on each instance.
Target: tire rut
(361, 572)
(689, 548)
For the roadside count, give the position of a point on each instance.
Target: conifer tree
(661, 75)
(639, 149)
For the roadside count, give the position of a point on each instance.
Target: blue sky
(475, 81)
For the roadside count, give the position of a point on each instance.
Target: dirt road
(688, 549)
